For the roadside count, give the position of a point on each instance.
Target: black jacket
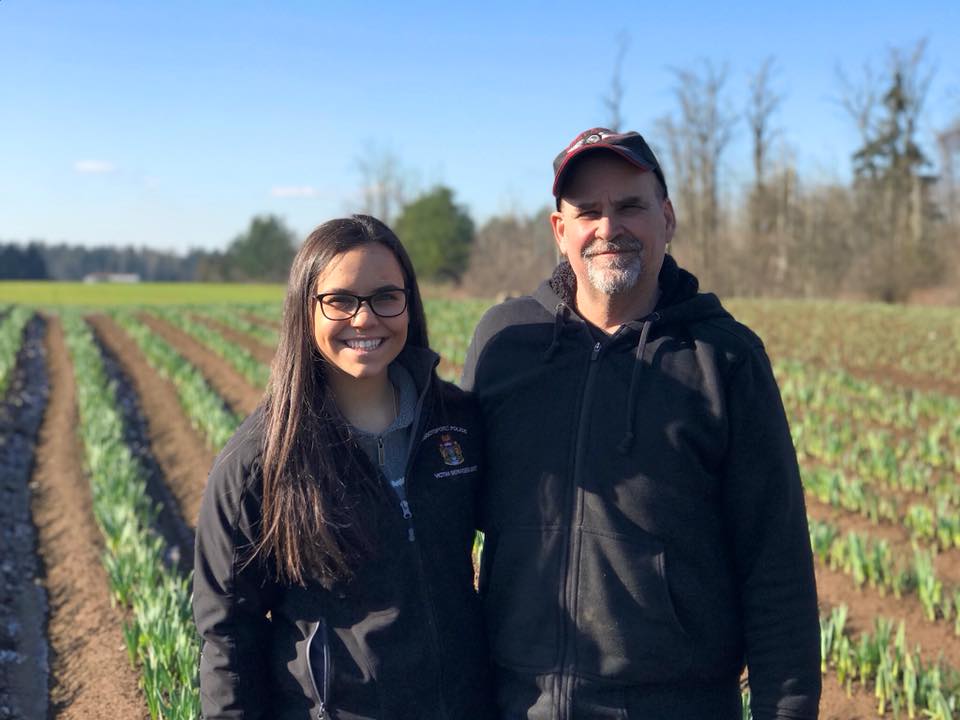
(403, 640)
(644, 516)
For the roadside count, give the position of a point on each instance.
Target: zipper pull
(410, 534)
(405, 507)
(322, 712)
(380, 454)
(596, 351)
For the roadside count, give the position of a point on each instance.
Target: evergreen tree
(437, 233)
(263, 253)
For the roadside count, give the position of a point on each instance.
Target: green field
(872, 393)
(95, 294)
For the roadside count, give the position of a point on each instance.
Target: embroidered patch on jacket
(450, 450)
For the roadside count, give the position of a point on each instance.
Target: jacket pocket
(320, 667)
(522, 597)
(627, 627)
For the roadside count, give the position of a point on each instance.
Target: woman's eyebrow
(348, 291)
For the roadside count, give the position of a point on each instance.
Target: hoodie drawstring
(560, 314)
(627, 442)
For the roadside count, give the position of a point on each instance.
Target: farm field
(112, 411)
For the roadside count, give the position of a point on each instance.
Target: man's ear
(558, 226)
(670, 219)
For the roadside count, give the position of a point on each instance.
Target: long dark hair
(313, 482)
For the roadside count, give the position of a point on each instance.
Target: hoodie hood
(679, 303)
(680, 299)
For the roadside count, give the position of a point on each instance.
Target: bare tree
(767, 205)
(763, 102)
(696, 139)
(511, 254)
(894, 207)
(385, 183)
(614, 99)
(948, 143)
(859, 98)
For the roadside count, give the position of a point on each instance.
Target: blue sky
(170, 124)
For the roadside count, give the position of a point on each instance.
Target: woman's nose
(365, 315)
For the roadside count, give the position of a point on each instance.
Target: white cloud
(295, 191)
(94, 166)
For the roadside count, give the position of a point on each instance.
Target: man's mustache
(623, 243)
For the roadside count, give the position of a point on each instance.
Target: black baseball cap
(629, 145)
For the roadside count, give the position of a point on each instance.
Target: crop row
(200, 403)
(807, 387)
(451, 324)
(11, 337)
(872, 562)
(159, 634)
(938, 528)
(268, 312)
(883, 663)
(229, 317)
(921, 342)
(254, 371)
(878, 456)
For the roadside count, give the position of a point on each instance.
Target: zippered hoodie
(644, 516)
(403, 640)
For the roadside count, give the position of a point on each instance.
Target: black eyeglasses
(343, 306)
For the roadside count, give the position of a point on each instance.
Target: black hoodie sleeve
(766, 520)
(469, 375)
(231, 598)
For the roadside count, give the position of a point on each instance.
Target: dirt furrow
(905, 380)
(170, 523)
(229, 383)
(946, 562)
(180, 451)
(897, 378)
(91, 675)
(834, 588)
(835, 704)
(261, 352)
(24, 652)
(260, 320)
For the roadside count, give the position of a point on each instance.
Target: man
(646, 534)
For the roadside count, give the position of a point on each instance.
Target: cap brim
(626, 154)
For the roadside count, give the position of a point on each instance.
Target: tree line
(893, 229)
(262, 253)
(438, 233)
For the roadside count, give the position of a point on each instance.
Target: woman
(333, 575)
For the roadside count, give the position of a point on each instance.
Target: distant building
(109, 277)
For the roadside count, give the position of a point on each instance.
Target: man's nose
(608, 225)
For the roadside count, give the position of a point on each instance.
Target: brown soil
(260, 320)
(944, 295)
(91, 675)
(179, 450)
(835, 704)
(946, 562)
(261, 352)
(226, 381)
(884, 375)
(834, 588)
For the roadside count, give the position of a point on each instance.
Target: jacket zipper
(323, 699)
(416, 439)
(400, 488)
(571, 576)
